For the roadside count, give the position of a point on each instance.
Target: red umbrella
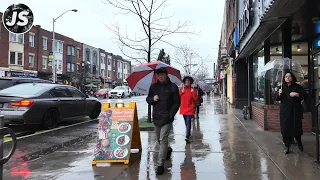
(143, 76)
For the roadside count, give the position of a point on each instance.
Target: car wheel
(95, 112)
(50, 119)
(122, 95)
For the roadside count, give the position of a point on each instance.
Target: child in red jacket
(188, 99)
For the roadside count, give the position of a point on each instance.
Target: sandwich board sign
(118, 133)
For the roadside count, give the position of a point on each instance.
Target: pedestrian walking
(188, 100)
(165, 99)
(291, 110)
(200, 93)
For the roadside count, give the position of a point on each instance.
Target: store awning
(271, 20)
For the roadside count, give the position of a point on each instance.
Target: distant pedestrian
(165, 99)
(200, 93)
(291, 110)
(187, 107)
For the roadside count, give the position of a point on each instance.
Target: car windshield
(118, 88)
(23, 89)
(103, 90)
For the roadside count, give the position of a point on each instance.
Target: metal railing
(4, 131)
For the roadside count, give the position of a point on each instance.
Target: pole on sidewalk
(53, 54)
(1, 146)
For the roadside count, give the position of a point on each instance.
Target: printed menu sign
(114, 135)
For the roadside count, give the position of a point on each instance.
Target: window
(68, 67)
(95, 58)
(102, 72)
(109, 74)
(13, 37)
(44, 62)
(60, 92)
(119, 65)
(58, 45)
(59, 65)
(78, 67)
(71, 50)
(31, 60)
(16, 38)
(102, 59)
(45, 43)
(12, 57)
(19, 58)
(72, 67)
(15, 58)
(114, 63)
(258, 80)
(31, 40)
(75, 93)
(73, 53)
(78, 53)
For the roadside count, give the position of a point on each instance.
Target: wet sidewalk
(223, 147)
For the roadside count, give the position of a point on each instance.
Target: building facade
(273, 29)
(78, 64)
(91, 64)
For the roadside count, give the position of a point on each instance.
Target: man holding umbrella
(165, 99)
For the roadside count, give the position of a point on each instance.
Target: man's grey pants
(162, 133)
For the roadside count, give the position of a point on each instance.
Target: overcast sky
(88, 24)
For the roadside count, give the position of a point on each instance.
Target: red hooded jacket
(188, 100)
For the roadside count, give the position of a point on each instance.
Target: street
(223, 146)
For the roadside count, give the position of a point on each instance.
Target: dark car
(45, 104)
(6, 82)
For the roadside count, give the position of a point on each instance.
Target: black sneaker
(160, 170)
(187, 140)
(169, 153)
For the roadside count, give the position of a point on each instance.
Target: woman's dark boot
(300, 146)
(286, 150)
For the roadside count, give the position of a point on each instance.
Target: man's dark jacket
(168, 104)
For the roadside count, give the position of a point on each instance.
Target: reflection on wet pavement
(221, 149)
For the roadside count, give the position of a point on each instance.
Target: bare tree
(187, 58)
(150, 14)
(202, 71)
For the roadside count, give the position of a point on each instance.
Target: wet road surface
(222, 148)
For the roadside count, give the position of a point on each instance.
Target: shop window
(258, 79)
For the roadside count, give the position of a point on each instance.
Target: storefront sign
(245, 21)
(115, 130)
(21, 74)
(118, 133)
(236, 37)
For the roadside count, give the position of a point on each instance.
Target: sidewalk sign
(118, 133)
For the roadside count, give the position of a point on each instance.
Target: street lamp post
(54, 69)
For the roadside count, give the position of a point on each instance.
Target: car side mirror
(87, 96)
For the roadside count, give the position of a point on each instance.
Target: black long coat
(291, 110)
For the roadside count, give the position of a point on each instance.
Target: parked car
(102, 93)
(120, 92)
(45, 104)
(6, 82)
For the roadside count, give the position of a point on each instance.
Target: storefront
(296, 37)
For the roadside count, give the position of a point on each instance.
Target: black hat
(187, 77)
(161, 70)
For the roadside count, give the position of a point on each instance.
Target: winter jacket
(188, 100)
(168, 104)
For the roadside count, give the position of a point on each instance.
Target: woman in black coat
(291, 110)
